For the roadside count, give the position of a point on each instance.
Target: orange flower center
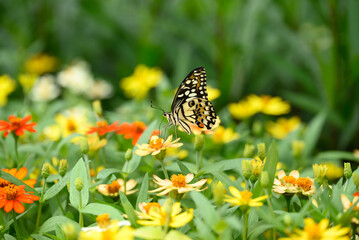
(304, 183)
(246, 195)
(103, 220)
(314, 232)
(101, 124)
(71, 127)
(288, 179)
(3, 182)
(15, 123)
(139, 127)
(114, 187)
(178, 181)
(150, 205)
(11, 191)
(156, 143)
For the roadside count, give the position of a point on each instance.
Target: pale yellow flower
(213, 93)
(141, 81)
(112, 190)
(45, 89)
(334, 171)
(100, 89)
(27, 81)
(179, 183)
(293, 184)
(243, 198)
(319, 231)
(107, 230)
(283, 127)
(224, 135)
(156, 145)
(72, 121)
(7, 86)
(242, 110)
(348, 204)
(268, 105)
(180, 153)
(52, 133)
(158, 216)
(41, 63)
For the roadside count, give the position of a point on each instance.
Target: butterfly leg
(166, 127)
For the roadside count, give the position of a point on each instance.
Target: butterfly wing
(193, 86)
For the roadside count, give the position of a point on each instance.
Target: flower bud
(261, 151)
(63, 167)
(79, 184)
(248, 150)
(347, 170)
(128, 154)
(45, 171)
(218, 191)
(297, 148)
(84, 146)
(246, 169)
(69, 231)
(287, 220)
(199, 142)
(161, 155)
(264, 179)
(356, 179)
(97, 108)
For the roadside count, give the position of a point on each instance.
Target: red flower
(19, 175)
(12, 196)
(103, 128)
(356, 194)
(16, 124)
(134, 130)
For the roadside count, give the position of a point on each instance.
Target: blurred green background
(305, 51)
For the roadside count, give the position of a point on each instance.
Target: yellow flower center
(178, 181)
(11, 191)
(304, 183)
(314, 232)
(71, 127)
(156, 143)
(103, 220)
(150, 205)
(246, 197)
(114, 187)
(3, 182)
(288, 179)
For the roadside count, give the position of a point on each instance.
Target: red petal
(9, 204)
(18, 207)
(2, 203)
(26, 119)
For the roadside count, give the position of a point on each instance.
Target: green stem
(104, 156)
(41, 201)
(6, 153)
(287, 198)
(81, 219)
(245, 225)
(124, 185)
(61, 207)
(16, 151)
(164, 169)
(199, 160)
(272, 213)
(353, 231)
(16, 226)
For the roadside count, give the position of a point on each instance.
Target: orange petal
(18, 207)
(9, 204)
(13, 171)
(30, 182)
(21, 173)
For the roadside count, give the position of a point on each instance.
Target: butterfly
(190, 105)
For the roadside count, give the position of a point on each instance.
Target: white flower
(76, 77)
(100, 90)
(45, 89)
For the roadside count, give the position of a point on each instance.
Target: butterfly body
(190, 105)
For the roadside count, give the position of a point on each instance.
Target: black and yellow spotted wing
(191, 105)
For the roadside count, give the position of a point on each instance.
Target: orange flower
(12, 196)
(134, 130)
(19, 174)
(16, 124)
(103, 128)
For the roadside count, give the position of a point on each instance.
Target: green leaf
(99, 208)
(183, 167)
(176, 235)
(225, 179)
(79, 170)
(66, 140)
(336, 155)
(128, 209)
(39, 237)
(51, 223)
(16, 181)
(143, 193)
(149, 233)
(135, 161)
(258, 230)
(55, 189)
(104, 173)
(9, 237)
(224, 165)
(313, 132)
(203, 230)
(205, 209)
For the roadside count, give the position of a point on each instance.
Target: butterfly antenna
(154, 106)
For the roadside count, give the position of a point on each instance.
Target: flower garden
(88, 151)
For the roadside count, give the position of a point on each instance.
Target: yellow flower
(179, 183)
(7, 86)
(320, 170)
(112, 189)
(224, 135)
(213, 93)
(156, 145)
(141, 81)
(72, 122)
(27, 81)
(241, 110)
(334, 171)
(319, 231)
(297, 147)
(52, 133)
(181, 154)
(283, 127)
(95, 142)
(293, 184)
(348, 204)
(268, 105)
(158, 216)
(41, 63)
(243, 198)
(107, 230)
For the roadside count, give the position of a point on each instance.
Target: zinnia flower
(293, 184)
(19, 174)
(157, 215)
(107, 230)
(12, 196)
(7, 86)
(103, 128)
(268, 105)
(45, 89)
(17, 125)
(72, 121)
(243, 199)
(347, 204)
(156, 145)
(319, 231)
(112, 189)
(283, 127)
(224, 135)
(134, 131)
(41, 63)
(179, 183)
